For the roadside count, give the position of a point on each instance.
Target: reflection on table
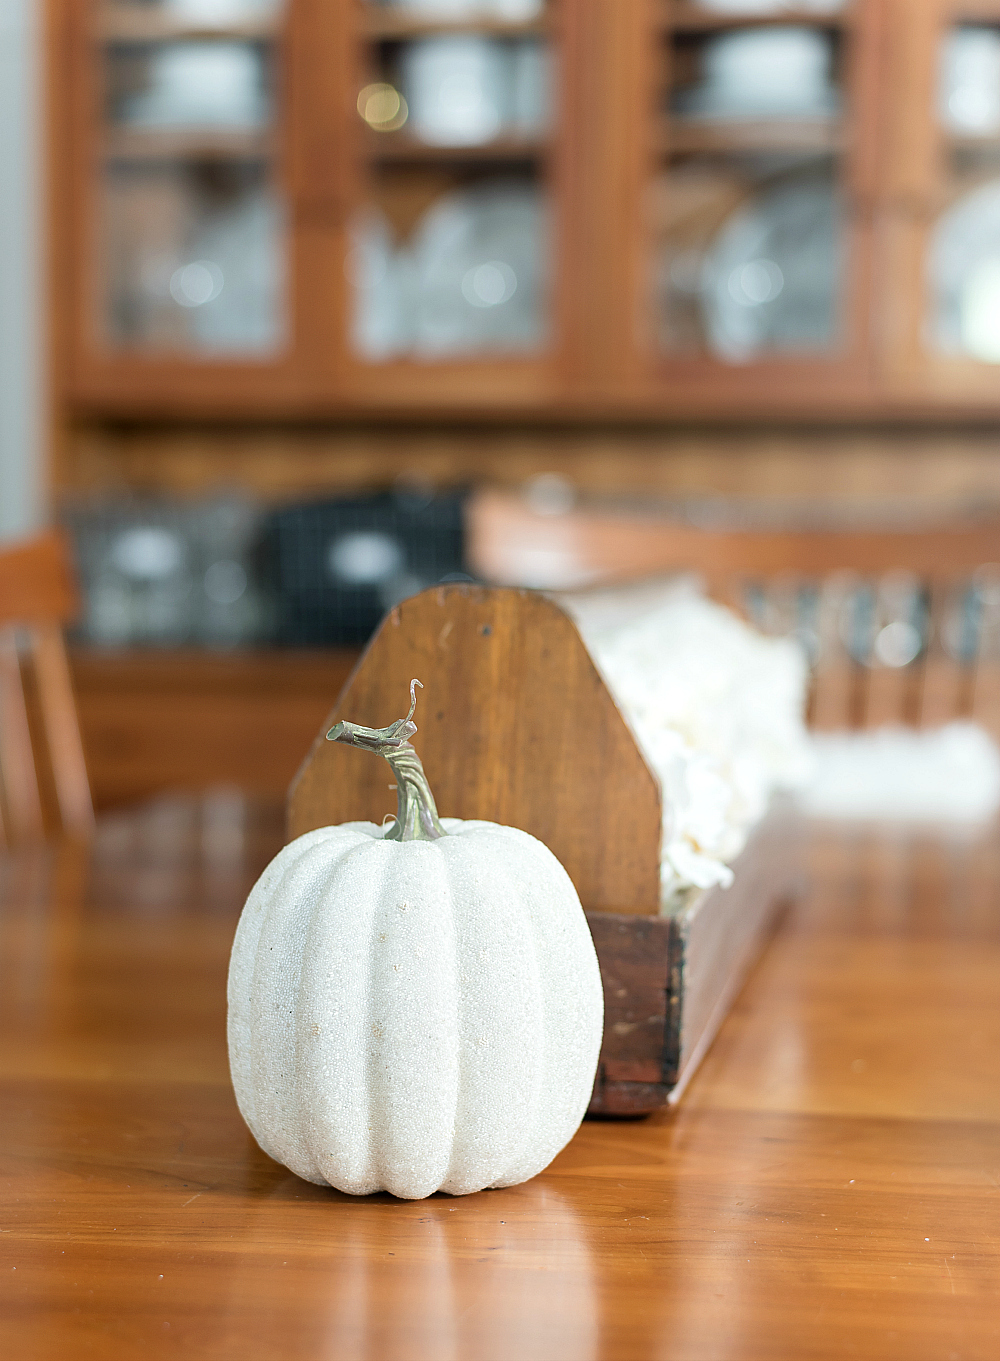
(832, 1157)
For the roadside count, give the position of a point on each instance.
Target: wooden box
(516, 726)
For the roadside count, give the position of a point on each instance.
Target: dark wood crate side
(669, 981)
(637, 1066)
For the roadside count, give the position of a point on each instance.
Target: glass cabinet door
(940, 230)
(285, 199)
(748, 214)
(754, 258)
(962, 253)
(662, 207)
(191, 222)
(450, 245)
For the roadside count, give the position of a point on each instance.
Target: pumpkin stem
(416, 815)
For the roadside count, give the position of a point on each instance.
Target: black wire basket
(338, 566)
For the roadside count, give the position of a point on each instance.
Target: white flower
(717, 709)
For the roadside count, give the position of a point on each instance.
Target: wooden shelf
(690, 18)
(188, 144)
(966, 141)
(976, 11)
(401, 147)
(616, 64)
(399, 27)
(120, 25)
(819, 135)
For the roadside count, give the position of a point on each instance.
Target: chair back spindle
(37, 597)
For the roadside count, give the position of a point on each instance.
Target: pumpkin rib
(275, 1039)
(243, 961)
(490, 866)
(330, 939)
(375, 1089)
(466, 855)
(419, 1090)
(572, 1022)
(532, 906)
(531, 1130)
(455, 1045)
(273, 1054)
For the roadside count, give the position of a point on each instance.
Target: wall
(22, 421)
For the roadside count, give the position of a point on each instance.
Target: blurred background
(304, 308)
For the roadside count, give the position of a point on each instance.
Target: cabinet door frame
(486, 385)
(317, 165)
(659, 385)
(919, 187)
(91, 375)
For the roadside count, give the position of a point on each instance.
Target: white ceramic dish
(771, 276)
(969, 88)
(781, 72)
(458, 89)
(480, 260)
(765, 7)
(472, 279)
(963, 267)
(466, 90)
(508, 11)
(201, 84)
(212, 13)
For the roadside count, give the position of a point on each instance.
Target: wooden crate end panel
(619, 1099)
(515, 726)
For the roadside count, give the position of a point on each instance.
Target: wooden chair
(901, 625)
(37, 596)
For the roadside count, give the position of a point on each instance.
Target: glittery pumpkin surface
(414, 1016)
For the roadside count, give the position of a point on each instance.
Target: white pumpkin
(413, 1010)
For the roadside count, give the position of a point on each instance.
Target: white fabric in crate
(716, 707)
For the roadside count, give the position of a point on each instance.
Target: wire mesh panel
(340, 565)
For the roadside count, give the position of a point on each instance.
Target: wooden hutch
(621, 389)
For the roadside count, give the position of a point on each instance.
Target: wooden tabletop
(827, 1189)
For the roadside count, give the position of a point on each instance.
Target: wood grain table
(828, 1187)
